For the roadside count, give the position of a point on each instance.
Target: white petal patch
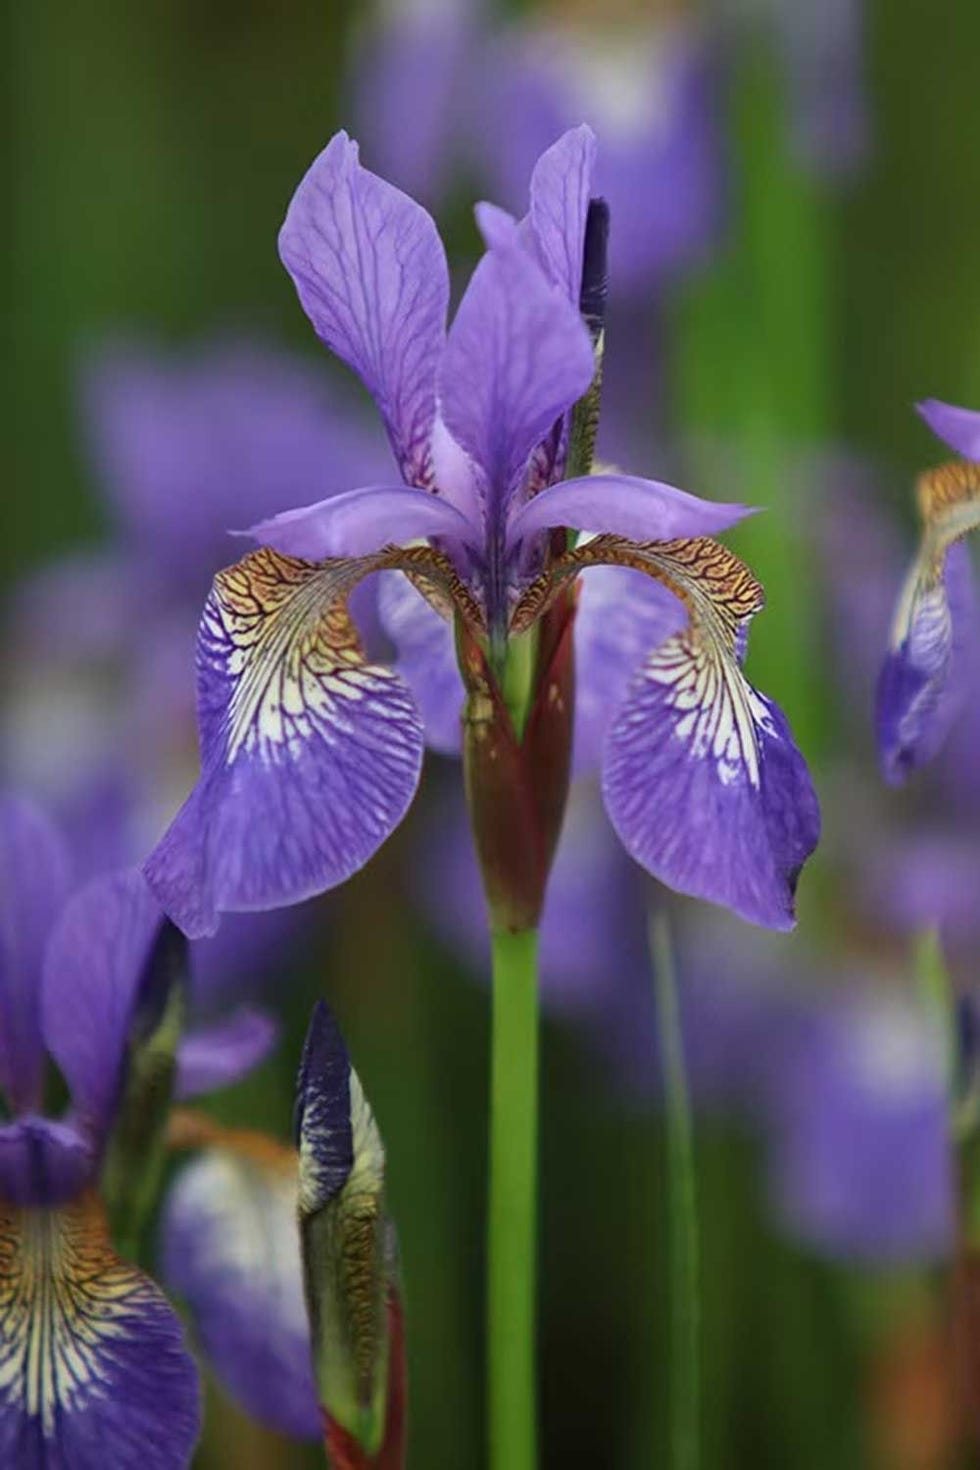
(718, 709)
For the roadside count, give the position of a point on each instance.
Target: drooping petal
(231, 1250)
(701, 777)
(624, 505)
(362, 521)
(371, 275)
(93, 1367)
(34, 875)
(426, 649)
(918, 695)
(518, 356)
(93, 969)
(957, 427)
(561, 186)
(309, 755)
(223, 1053)
(43, 1162)
(923, 676)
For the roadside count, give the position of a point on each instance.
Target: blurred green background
(152, 150)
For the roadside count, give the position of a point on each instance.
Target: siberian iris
(310, 753)
(928, 666)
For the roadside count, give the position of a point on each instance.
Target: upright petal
(93, 970)
(231, 1249)
(371, 274)
(625, 505)
(927, 665)
(223, 1053)
(309, 755)
(518, 356)
(561, 186)
(93, 1367)
(34, 872)
(957, 427)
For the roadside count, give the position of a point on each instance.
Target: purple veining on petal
(626, 505)
(231, 1250)
(924, 679)
(957, 427)
(361, 521)
(34, 877)
(425, 645)
(309, 758)
(706, 788)
(860, 1161)
(93, 1367)
(371, 275)
(222, 1053)
(93, 967)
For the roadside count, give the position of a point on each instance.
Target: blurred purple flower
(649, 91)
(931, 666)
(73, 977)
(860, 1156)
(114, 1382)
(310, 754)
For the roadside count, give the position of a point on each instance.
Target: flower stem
(685, 1311)
(512, 1224)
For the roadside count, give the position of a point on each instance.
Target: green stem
(512, 1225)
(685, 1313)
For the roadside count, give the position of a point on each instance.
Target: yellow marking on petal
(280, 629)
(948, 500)
(719, 711)
(64, 1297)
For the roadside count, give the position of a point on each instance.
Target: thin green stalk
(512, 1222)
(684, 1306)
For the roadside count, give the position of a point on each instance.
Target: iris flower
(928, 667)
(93, 1366)
(310, 753)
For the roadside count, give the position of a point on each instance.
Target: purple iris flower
(93, 1365)
(121, 1387)
(310, 753)
(931, 666)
